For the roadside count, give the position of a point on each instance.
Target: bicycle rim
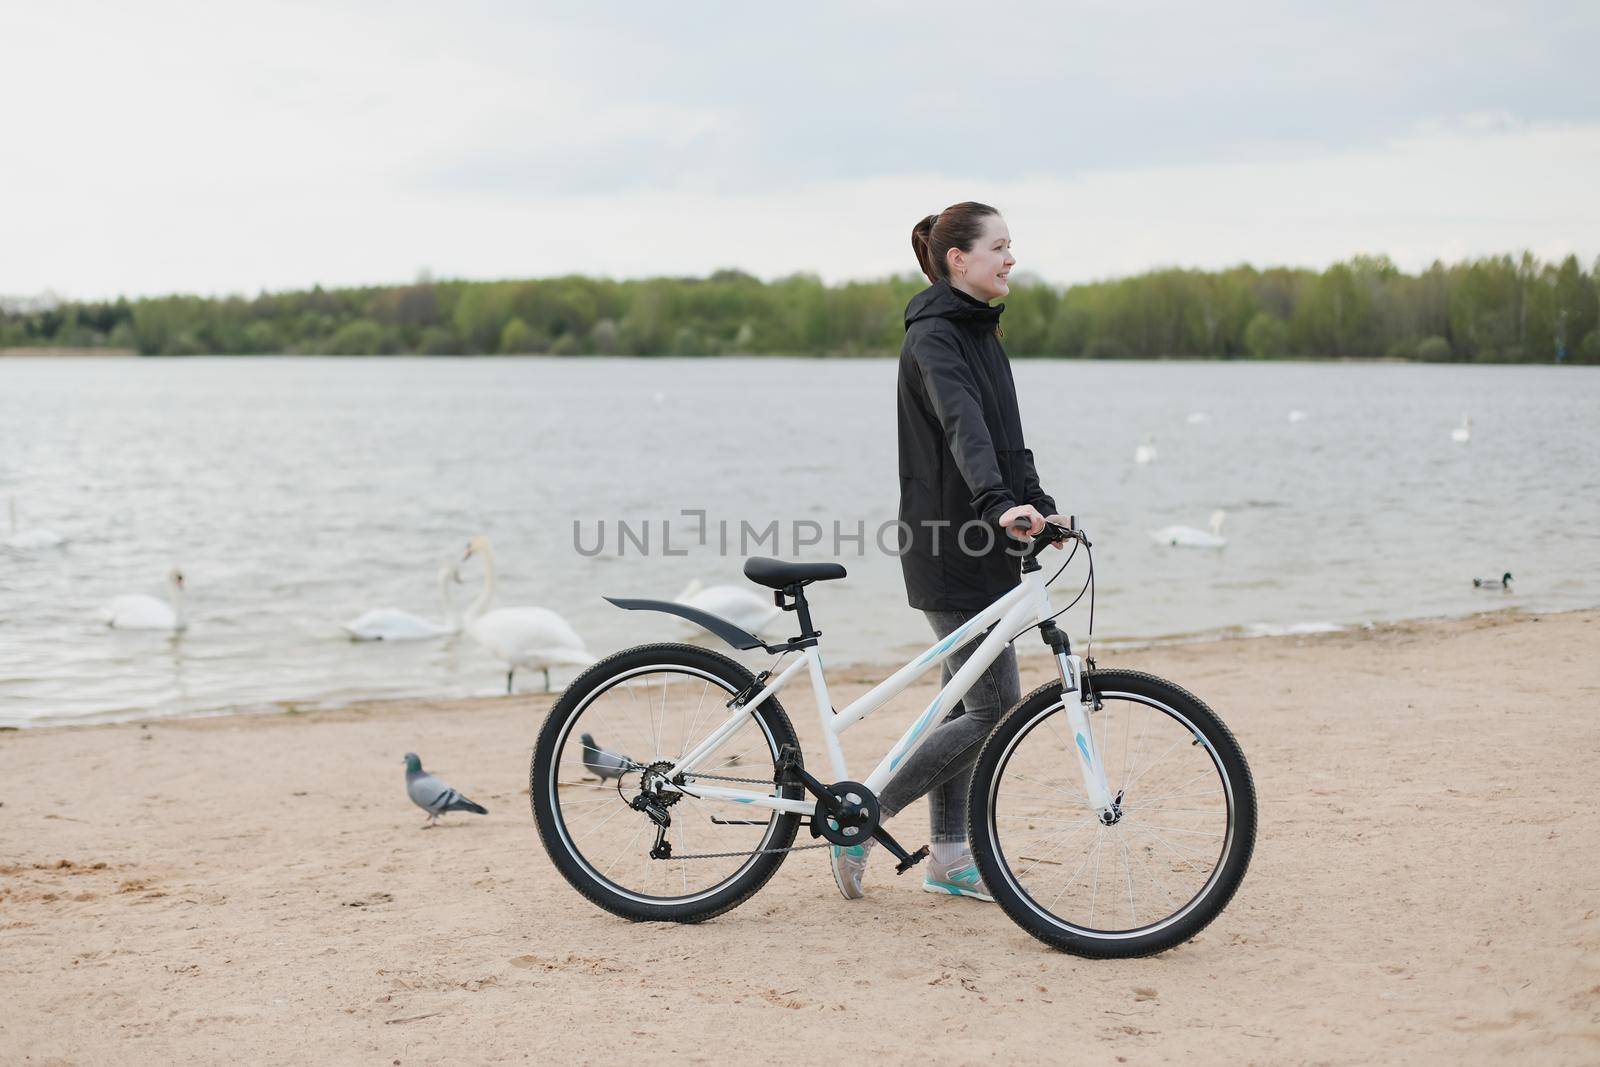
(1152, 868)
(645, 715)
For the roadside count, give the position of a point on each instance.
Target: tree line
(1495, 309)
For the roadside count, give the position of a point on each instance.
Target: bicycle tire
(544, 778)
(988, 842)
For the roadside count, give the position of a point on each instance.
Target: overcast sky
(223, 147)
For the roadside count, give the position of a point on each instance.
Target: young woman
(966, 481)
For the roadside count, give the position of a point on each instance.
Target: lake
(296, 493)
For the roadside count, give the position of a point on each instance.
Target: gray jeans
(942, 766)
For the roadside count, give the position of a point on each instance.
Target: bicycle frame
(1020, 608)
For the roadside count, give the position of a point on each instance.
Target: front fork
(1079, 701)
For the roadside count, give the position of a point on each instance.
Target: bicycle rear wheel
(1169, 862)
(638, 710)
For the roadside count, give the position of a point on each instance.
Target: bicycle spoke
(1127, 867)
(1046, 818)
(1072, 793)
(1073, 877)
(1217, 792)
(1177, 830)
(1144, 808)
(734, 759)
(689, 730)
(1054, 801)
(1069, 835)
(1094, 891)
(1150, 873)
(613, 799)
(624, 851)
(591, 829)
(1129, 784)
(1164, 843)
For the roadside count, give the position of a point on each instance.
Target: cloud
(196, 147)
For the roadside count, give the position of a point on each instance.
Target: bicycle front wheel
(1173, 854)
(636, 713)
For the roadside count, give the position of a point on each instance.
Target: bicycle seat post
(796, 591)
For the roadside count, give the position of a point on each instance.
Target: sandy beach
(258, 889)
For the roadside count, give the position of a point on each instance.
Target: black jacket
(961, 453)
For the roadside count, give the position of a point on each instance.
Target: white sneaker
(849, 865)
(958, 878)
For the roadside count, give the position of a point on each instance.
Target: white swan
(30, 540)
(1189, 537)
(139, 611)
(1297, 415)
(739, 606)
(1145, 453)
(392, 624)
(1463, 433)
(536, 638)
(1197, 418)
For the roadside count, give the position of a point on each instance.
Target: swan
(1463, 433)
(1189, 537)
(1145, 453)
(536, 638)
(392, 624)
(739, 606)
(29, 540)
(1197, 418)
(138, 611)
(1297, 415)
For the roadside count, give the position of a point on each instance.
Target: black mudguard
(737, 637)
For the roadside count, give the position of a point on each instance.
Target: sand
(1425, 889)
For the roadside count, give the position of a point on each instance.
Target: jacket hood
(942, 301)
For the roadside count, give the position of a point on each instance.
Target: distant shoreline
(100, 353)
(47, 350)
(1495, 309)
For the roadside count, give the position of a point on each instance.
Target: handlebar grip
(1054, 532)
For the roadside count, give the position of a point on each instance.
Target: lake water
(296, 493)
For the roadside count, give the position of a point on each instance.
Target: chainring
(857, 832)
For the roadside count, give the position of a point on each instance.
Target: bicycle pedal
(912, 860)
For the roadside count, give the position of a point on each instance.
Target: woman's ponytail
(921, 233)
(957, 226)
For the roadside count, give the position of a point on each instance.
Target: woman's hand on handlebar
(1063, 521)
(1023, 522)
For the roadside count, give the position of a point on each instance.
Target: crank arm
(907, 860)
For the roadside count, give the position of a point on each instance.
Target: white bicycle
(1112, 813)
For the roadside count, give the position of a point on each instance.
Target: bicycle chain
(752, 852)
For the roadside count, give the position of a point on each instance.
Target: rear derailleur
(654, 802)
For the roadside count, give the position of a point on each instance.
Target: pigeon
(1502, 582)
(432, 795)
(603, 763)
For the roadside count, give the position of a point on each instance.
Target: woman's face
(983, 271)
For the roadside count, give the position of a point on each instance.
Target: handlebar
(1052, 533)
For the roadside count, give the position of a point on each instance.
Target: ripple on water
(297, 493)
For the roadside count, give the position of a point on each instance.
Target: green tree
(363, 337)
(1434, 349)
(1267, 336)
(518, 338)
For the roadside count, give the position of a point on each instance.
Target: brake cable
(1088, 587)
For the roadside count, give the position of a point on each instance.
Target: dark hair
(957, 226)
